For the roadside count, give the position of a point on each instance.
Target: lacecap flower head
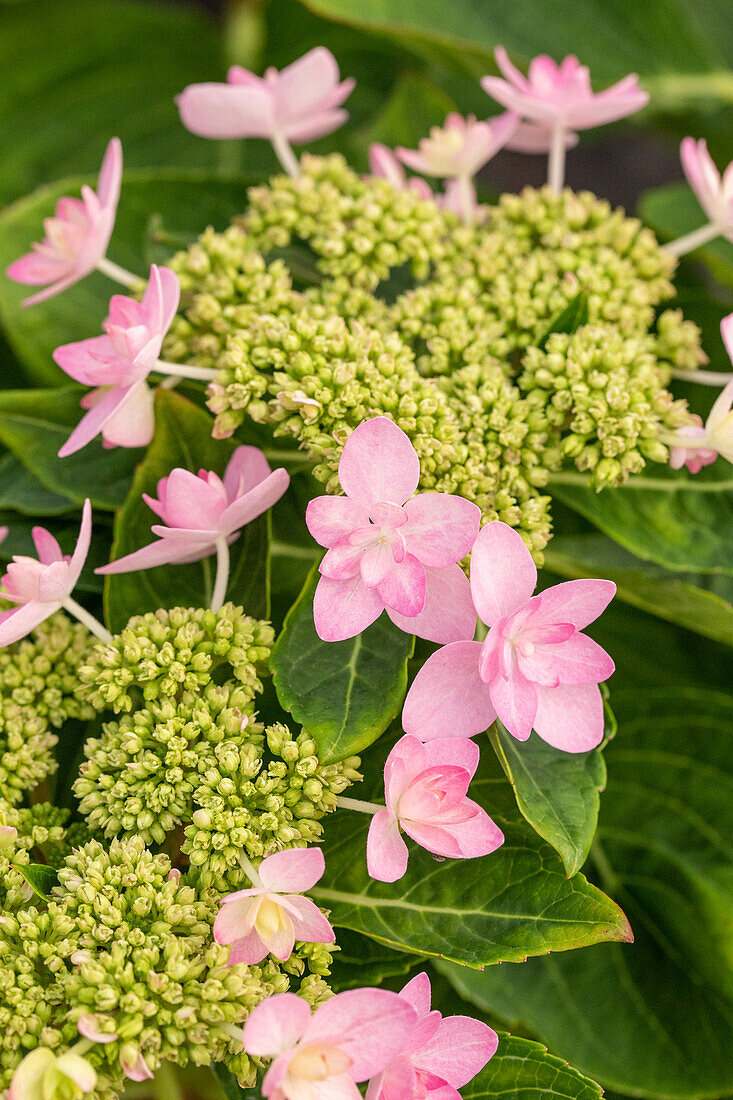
(535, 669)
(76, 237)
(388, 548)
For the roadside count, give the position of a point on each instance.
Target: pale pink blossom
(553, 95)
(535, 669)
(133, 1065)
(270, 917)
(119, 363)
(694, 458)
(460, 147)
(300, 103)
(716, 437)
(461, 199)
(714, 193)
(41, 586)
(90, 1026)
(44, 1075)
(388, 548)
(384, 165)
(8, 836)
(442, 1055)
(322, 1056)
(425, 789)
(77, 235)
(199, 511)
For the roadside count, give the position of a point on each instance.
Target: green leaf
(648, 587)
(655, 1018)
(500, 908)
(569, 319)
(34, 424)
(182, 438)
(681, 522)
(359, 961)
(344, 694)
(159, 213)
(558, 793)
(78, 72)
(521, 1068)
(230, 1086)
(414, 105)
(21, 491)
(39, 877)
(674, 211)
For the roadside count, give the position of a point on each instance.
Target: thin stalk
(250, 871)
(358, 804)
(693, 240)
(556, 160)
(117, 273)
(704, 377)
(286, 156)
(467, 197)
(88, 620)
(222, 573)
(183, 370)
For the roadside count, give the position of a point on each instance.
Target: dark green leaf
(557, 792)
(653, 1018)
(503, 907)
(21, 491)
(34, 424)
(39, 877)
(648, 587)
(521, 1068)
(182, 438)
(360, 961)
(344, 694)
(230, 1085)
(673, 212)
(569, 319)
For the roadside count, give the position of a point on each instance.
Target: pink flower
(350, 1038)
(90, 1026)
(425, 790)
(715, 194)
(300, 103)
(716, 437)
(461, 147)
(269, 918)
(460, 198)
(441, 1056)
(385, 553)
(561, 96)
(41, 586)
(535, 668)
(76, 237)
(200, 509)
(133, 1065)
(385, 165)
(694, 458)
(119, 363)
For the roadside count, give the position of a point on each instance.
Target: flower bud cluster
(38, 691)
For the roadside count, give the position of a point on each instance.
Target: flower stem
(183, 370)
(467, 196)
(222, 573)
(118, 274)
(556, 161)
(250, 871)
(88, 620)
(693, 240)
(285, 155)
(358, 804)
(704, 377)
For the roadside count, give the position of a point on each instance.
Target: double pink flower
(388, 549)
(460, 147)
(270, 917)
(425, 788)
(76, 237)
(535, 669)
(118, 363)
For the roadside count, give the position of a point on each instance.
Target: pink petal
(384, 165)
(459, 1049)
(372, 1026)
(309, 923)
(342, 609)
(47, 548)
(139, 1070)
(226, 110)
(191, 502)
(421, 800)
(276, 1025)
(162, 552)
(403, 589)
(378, 463)
(458, 752)
(503, 575)
(304, 87)
(515, 700)
(133, 425)
(579, 660)
(54, 583)
(510, 71)
(330, 519)
(246, 468)
(570, 717)
(398, 1081)
(255, 502)
(316, 126)
(476, 836)
(448, 698)
(93, 422)
(110, 175)
(293, 871)
(249, 950)
(577, 602)
(82, 544)
(160, 300)
(342, 561)
(440, 528)
(376, 563)
(417, 993)
(386, 850)
(281, 943)
(37, 269)
(235, 919)
(19, 621)
(78, 1070)
(93, 362)
(448, 614)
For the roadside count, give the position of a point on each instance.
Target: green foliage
(344, 694)
(40, 878)
(521, 1068)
